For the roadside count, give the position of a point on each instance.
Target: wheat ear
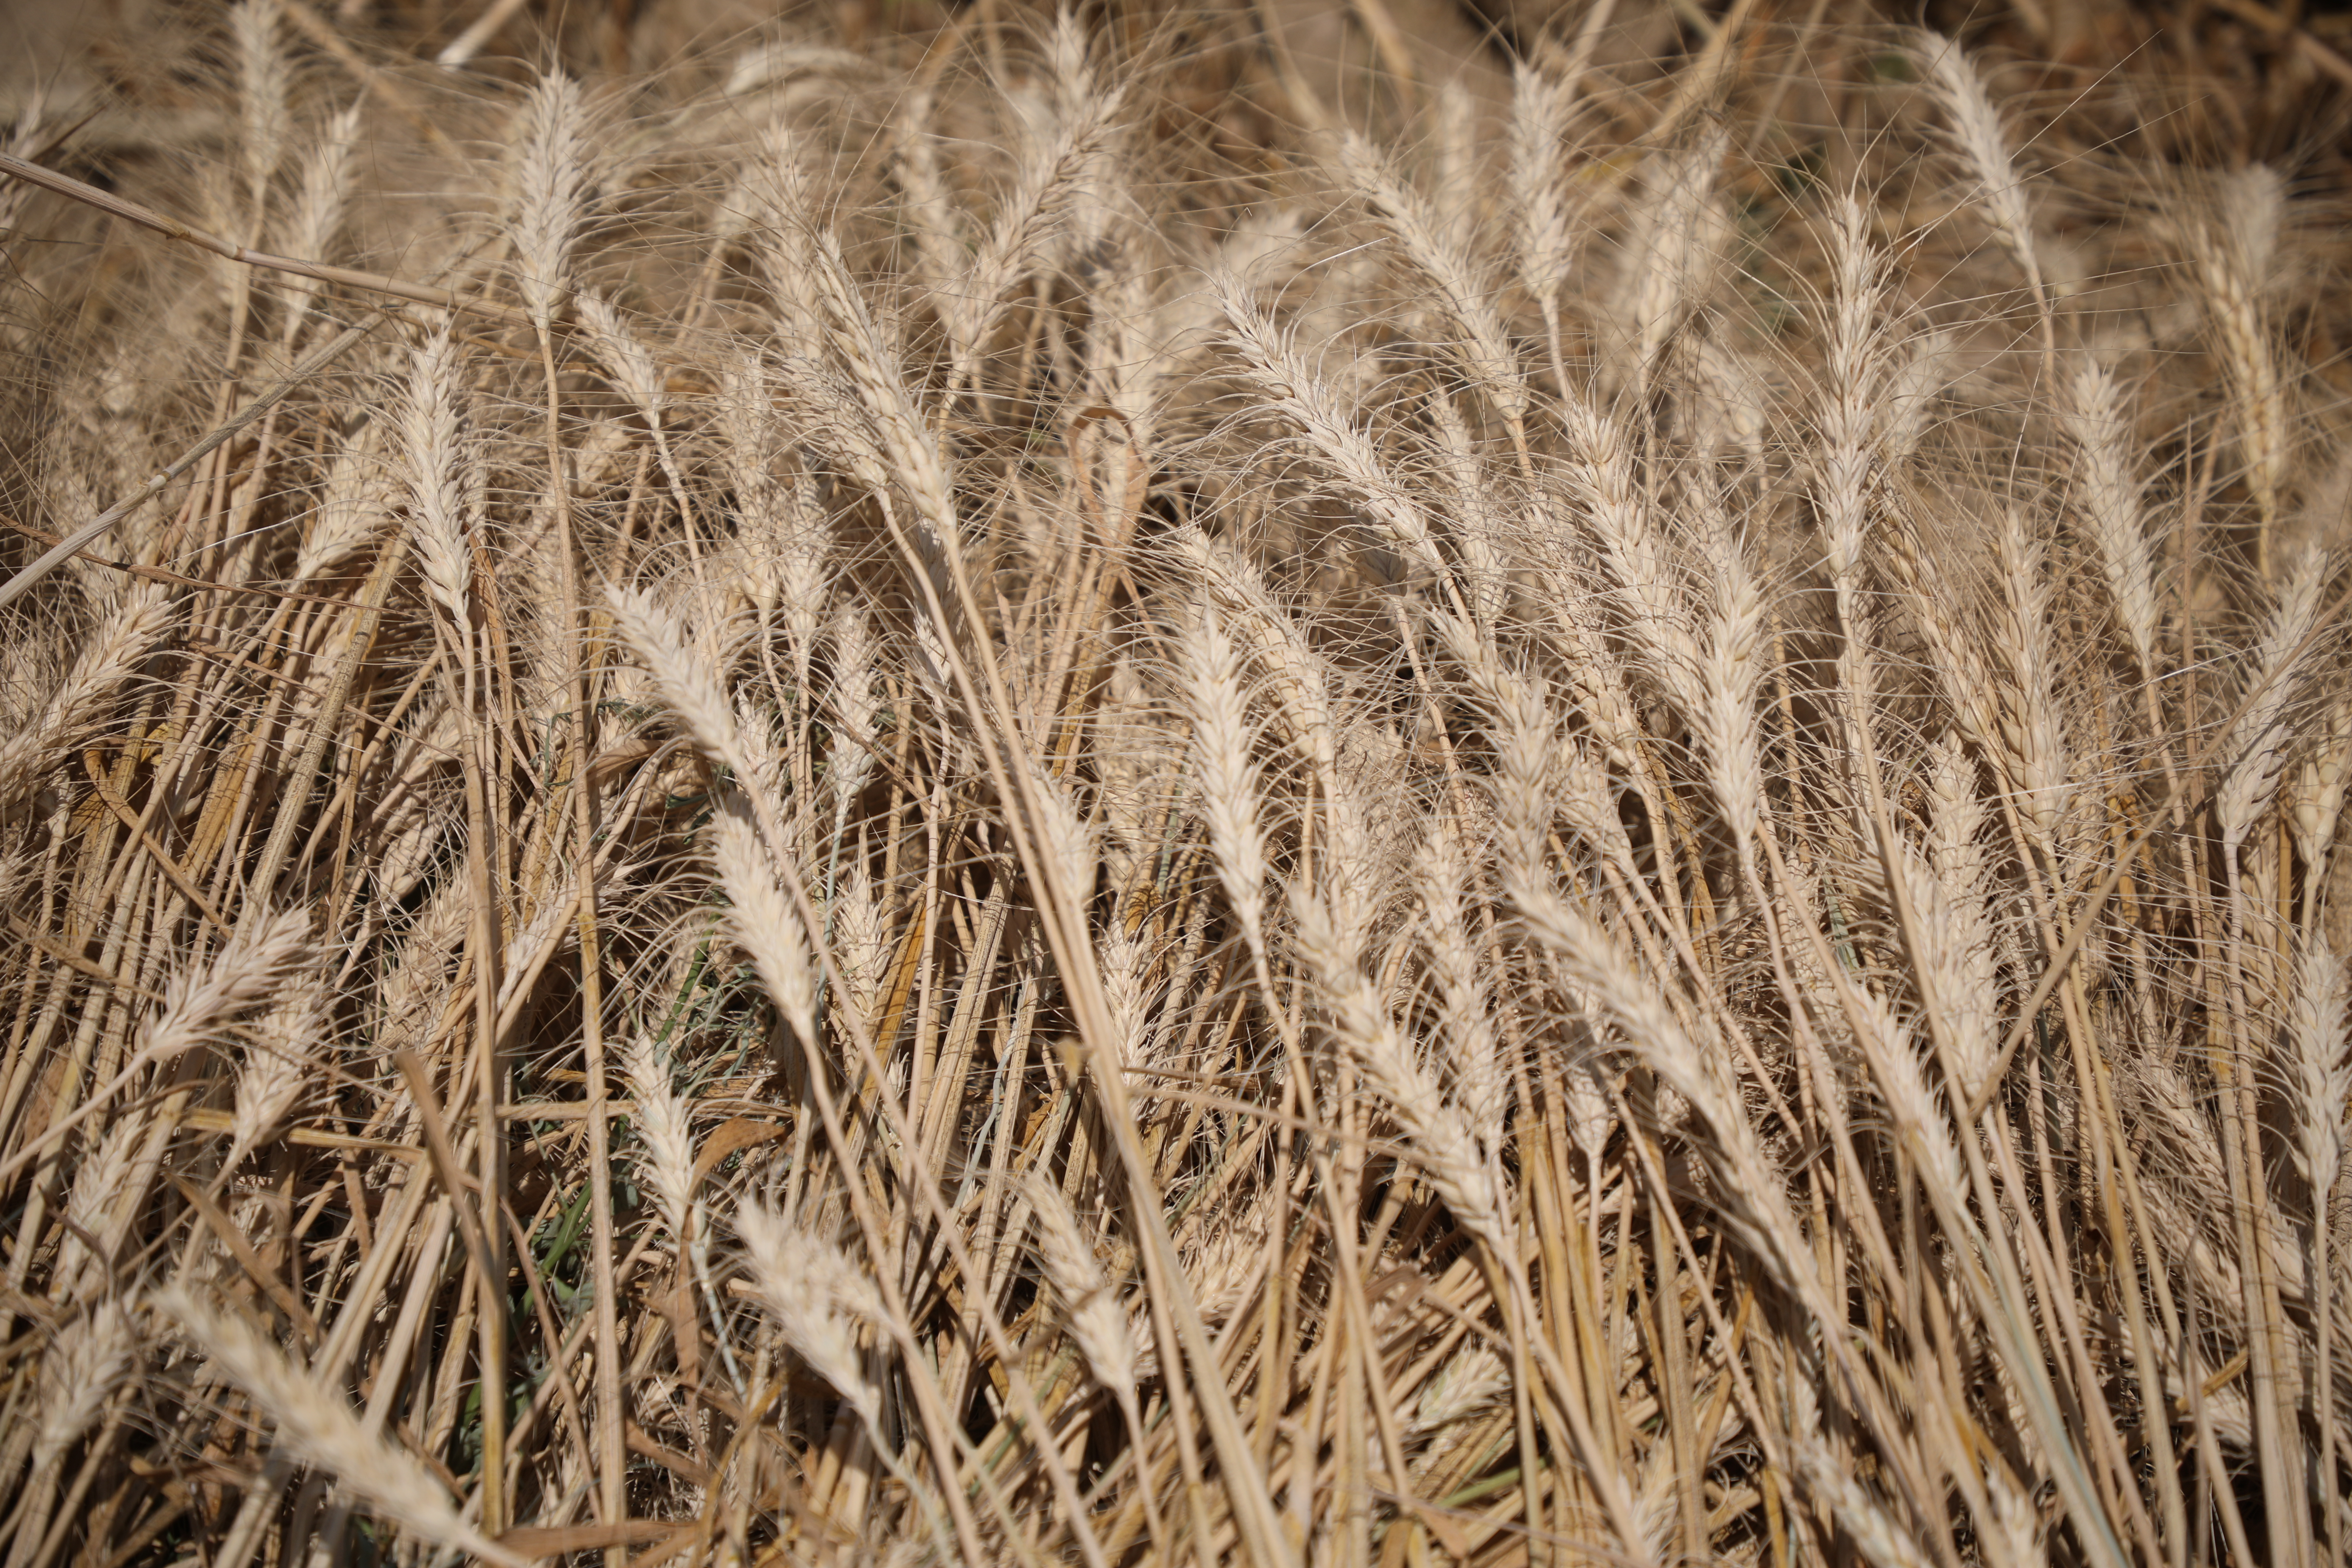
(1019, 239)
(1290, 387)
(200, 1001)
(265, 83)
(1442, 1136)
(765, 921)
(688, 689)
(1096, 1316)
(2034, 749)
(1669, 257)
(278, 1065)
(316, 215)
(2321, 1070)
(437, 462)
(88, 1360)
(2232, 257)
(1974, 127)
(554, 178)
(663, 1125)
(823, 1301)
(2108, 497)
(1486, 349)
(2316, 793)
(113, 653)
(1545, 237)
(2253, 752)
(321, 1430)
(24, 137)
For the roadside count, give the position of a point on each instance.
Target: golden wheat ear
(322, 1431)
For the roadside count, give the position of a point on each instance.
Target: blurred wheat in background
(1250, 784)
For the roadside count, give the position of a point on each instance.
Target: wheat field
(1066, 787)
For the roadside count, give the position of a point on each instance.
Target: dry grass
(1044, 799)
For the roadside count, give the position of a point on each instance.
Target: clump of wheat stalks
(1075, 852)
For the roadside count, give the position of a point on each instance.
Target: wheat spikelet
(856, 708)
(1526, 738)
(1478, 514)
(2016, 1537)
(102, 1179)
(1913, 387)
(1298, 676)
(352, 501)
(857, 936)
(894, 425)
(1887, 1044)
(782, 524)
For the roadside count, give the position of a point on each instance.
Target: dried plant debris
(1175, 787)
